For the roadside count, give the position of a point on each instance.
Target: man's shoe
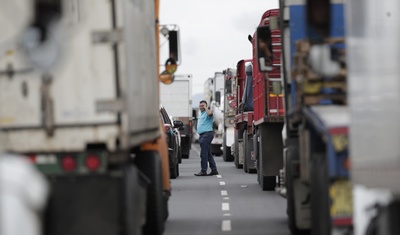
(201, 174)
(213, 173)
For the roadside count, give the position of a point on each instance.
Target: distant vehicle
(177, 99)
(214, 95)
(173, 142)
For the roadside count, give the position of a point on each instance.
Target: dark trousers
(205, 153)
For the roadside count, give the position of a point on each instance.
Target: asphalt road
(230, 203)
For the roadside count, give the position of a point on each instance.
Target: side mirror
(173, 38)
(178, 124)
(194, 114)
(228, 86)
(264, 48)
(218, 98)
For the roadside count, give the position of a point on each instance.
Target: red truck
(243, 146)
(269, 111)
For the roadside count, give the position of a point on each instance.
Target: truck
(243, 143)
(91, 122)
(230, 106)
(373, 101)
(214, 95)
(269, 111)
(177, 99)
(315, 173)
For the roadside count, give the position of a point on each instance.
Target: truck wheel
(173, 172)
(180, 154)
(291, 211)
(236, 155)
(320, 217)
(149, 163)
(267, 183)
(186, 156)
(227, 155)
(245, 152)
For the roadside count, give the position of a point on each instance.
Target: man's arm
(208, 111)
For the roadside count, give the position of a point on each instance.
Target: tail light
(167, 127)
(92, 162)
(32, 158)
(68, 163)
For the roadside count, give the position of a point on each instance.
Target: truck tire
(180, 155)
(173, 172)
(185, 156)
(245, 152)
(149, 163)
(319, 185)
(267, 183)
(270, 151)
(248, 163)
(291, 210)
(227, 155)
(236, 156)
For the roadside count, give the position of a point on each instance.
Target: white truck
(214, 95)
(229, 113)
(177, 100)
(91, 124)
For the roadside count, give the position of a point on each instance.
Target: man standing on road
(205, 130)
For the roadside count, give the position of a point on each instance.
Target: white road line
(221, 183)
(224, 193)
(226, 225)
(225, 198)
(219, 176)
(225, 206)
(227, 214)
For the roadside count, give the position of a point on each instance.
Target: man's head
(202, 105)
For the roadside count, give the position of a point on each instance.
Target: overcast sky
(213, 33)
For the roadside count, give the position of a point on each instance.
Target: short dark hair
(203, 101)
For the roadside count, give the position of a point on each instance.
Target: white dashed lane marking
(222, 183)
(225, 206)
(219, 176)
(224, 193)
(226, 225)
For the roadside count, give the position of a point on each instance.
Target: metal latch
(107, 36)
(114, 105)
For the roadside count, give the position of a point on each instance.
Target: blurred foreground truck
(373, 56)
(91, 123)
(177, 99)
(315, 174)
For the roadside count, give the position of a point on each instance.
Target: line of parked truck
(313, 113)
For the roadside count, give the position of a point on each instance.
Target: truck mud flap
(96, 204)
